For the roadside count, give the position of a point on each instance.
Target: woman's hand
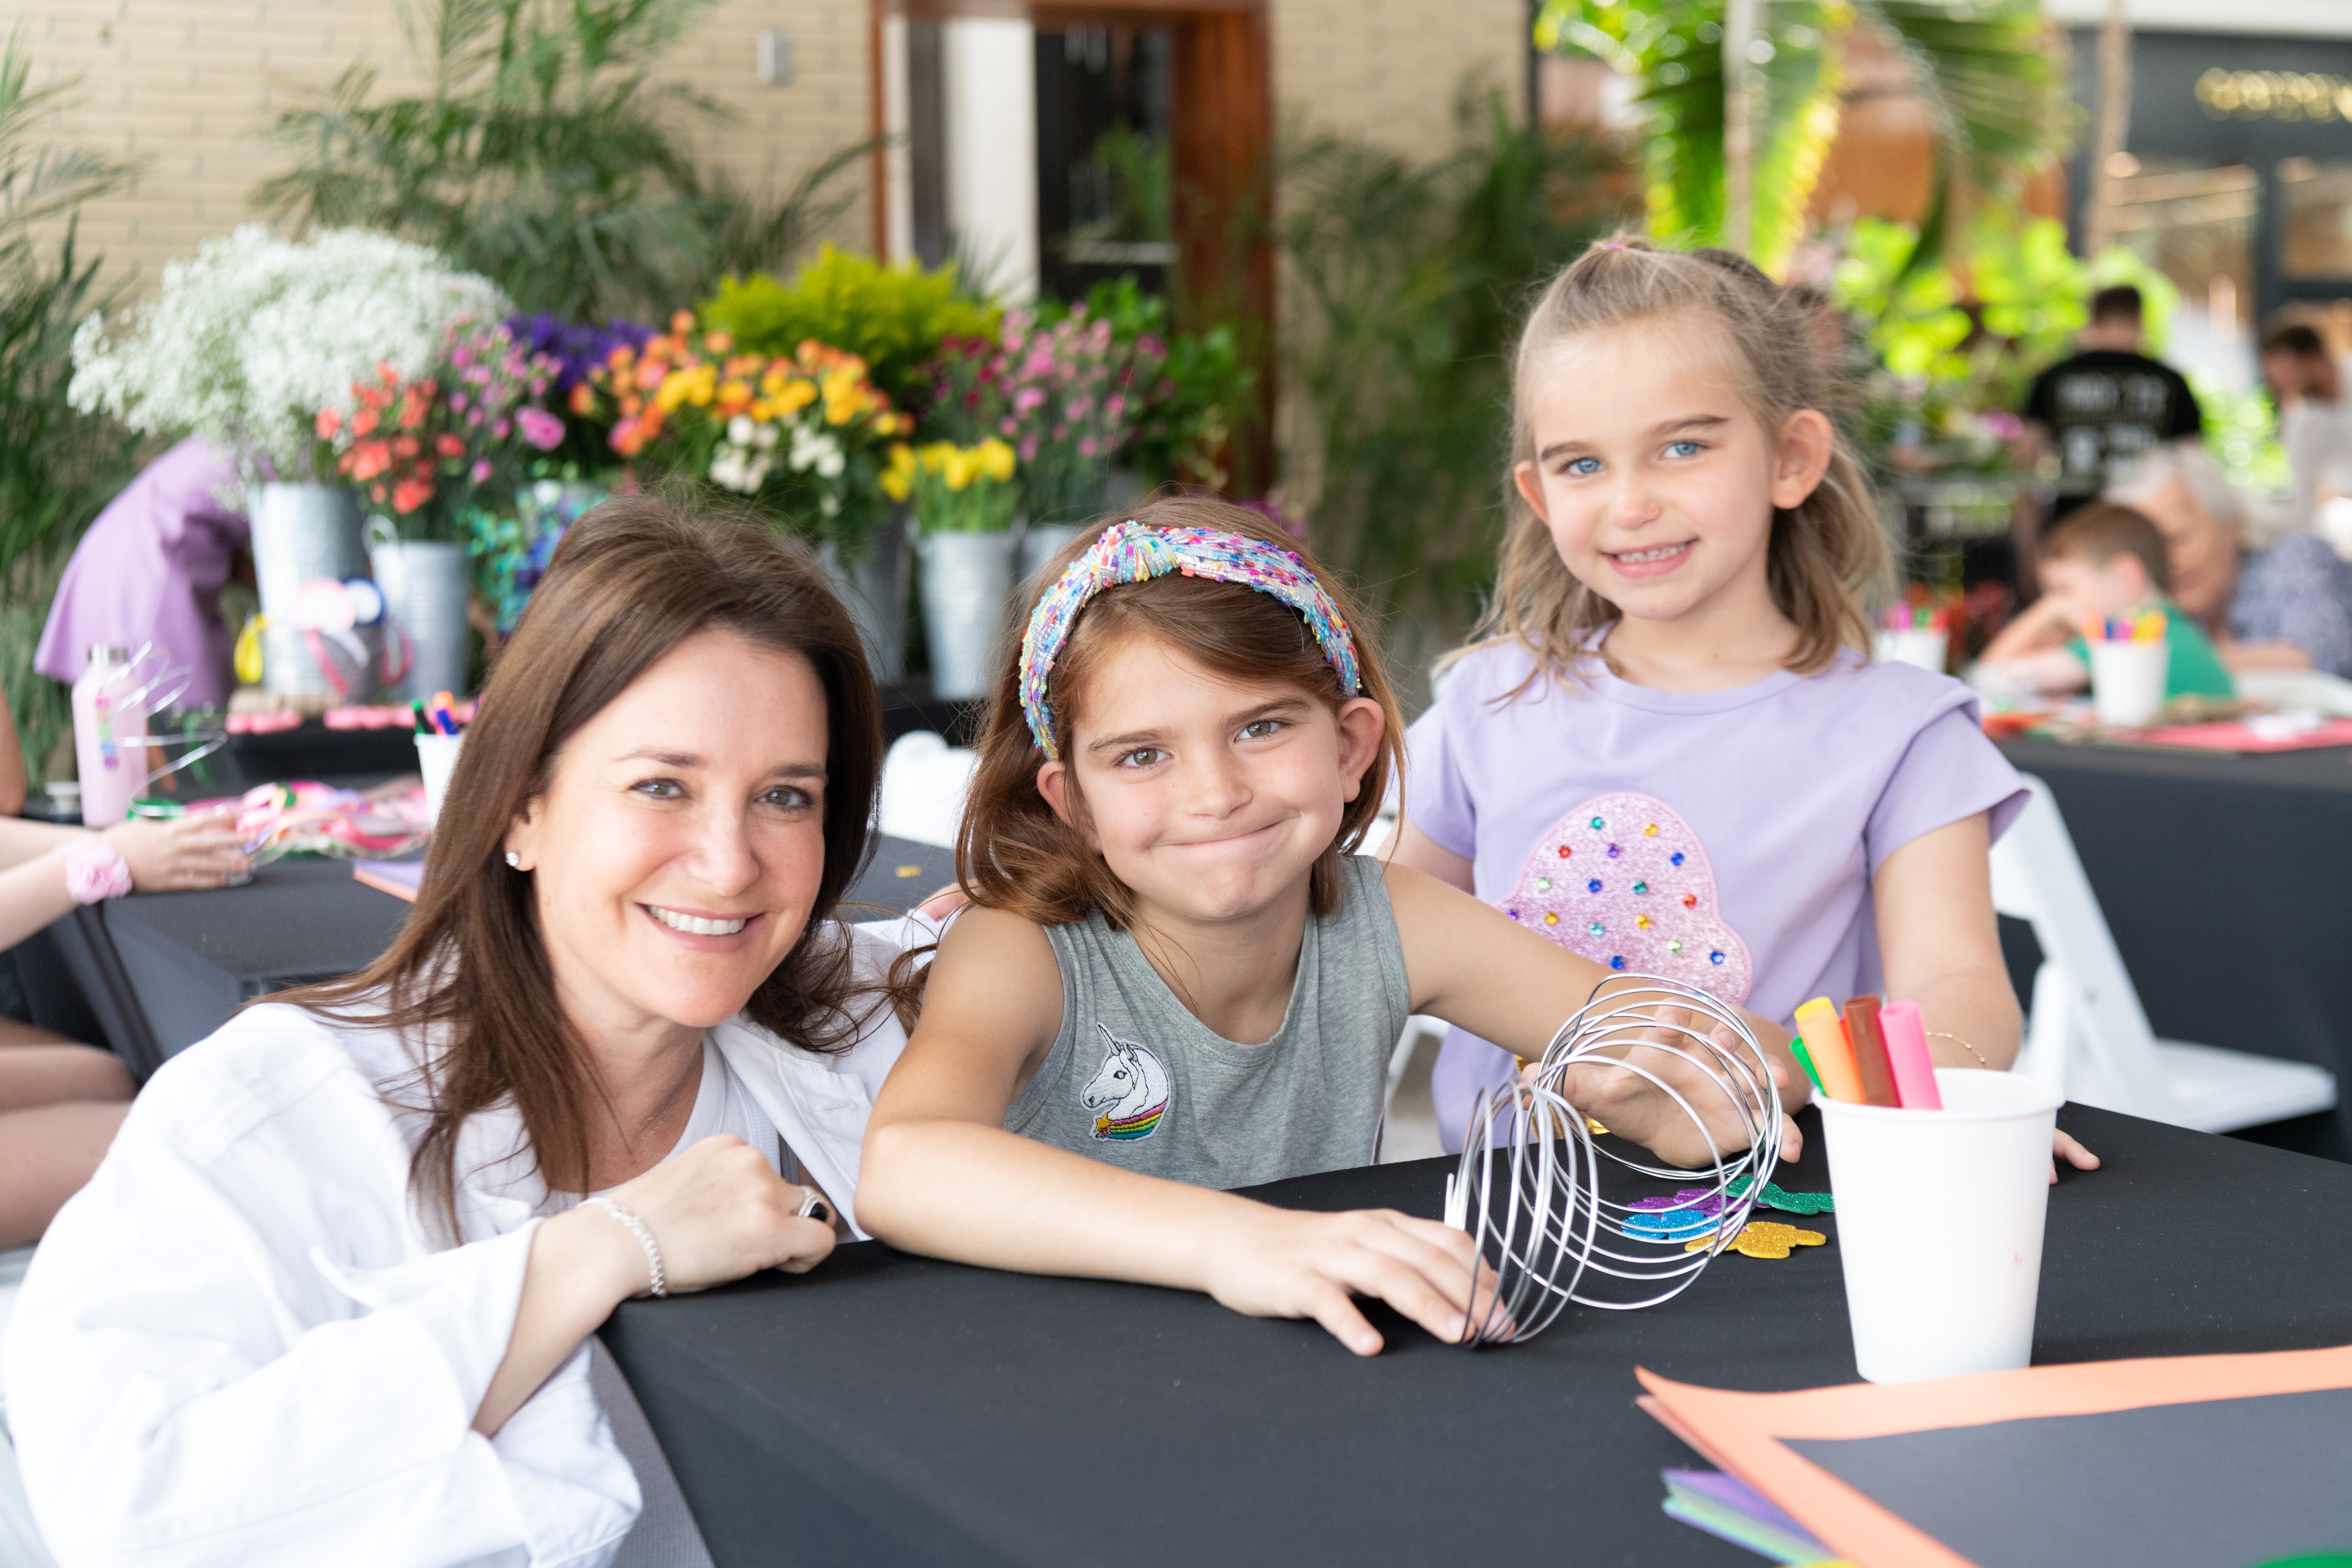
(1280, 1263)
(194, 851)
(717, 1213)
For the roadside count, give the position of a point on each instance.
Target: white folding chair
(924, 781)
(2088, 1034)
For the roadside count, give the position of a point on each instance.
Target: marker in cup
(1869, 1051)
(1907, 1056)
(1824, 1032)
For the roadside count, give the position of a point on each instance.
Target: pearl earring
(514, 860)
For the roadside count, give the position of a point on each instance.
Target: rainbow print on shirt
(1128, 1094)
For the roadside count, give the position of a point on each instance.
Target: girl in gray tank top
(1157, 841)
(1135, 1080)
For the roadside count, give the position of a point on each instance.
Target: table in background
(161, 971)
(885, 1409)
(2227, 882)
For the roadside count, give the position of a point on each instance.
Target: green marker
(1805, 1060)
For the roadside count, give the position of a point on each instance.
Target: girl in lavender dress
(1669, 752)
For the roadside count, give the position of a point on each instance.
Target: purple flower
(1085, 446)
(502, 429)
(541, 429)
(481, 470)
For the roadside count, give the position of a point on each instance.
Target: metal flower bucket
(967, 577)
(301, 533)
(873, 589)
(426, 587)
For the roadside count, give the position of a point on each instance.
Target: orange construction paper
(1743, 1433)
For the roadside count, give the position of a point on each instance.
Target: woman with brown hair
(326, 1298)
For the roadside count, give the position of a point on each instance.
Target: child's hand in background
(174, 857)
(2062, 1146)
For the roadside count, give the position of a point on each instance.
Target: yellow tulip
(795, 396)
(898, 479)
(996, 460)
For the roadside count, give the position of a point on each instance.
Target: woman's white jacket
(239, 1345)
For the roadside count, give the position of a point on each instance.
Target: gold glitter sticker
(1764, 1238)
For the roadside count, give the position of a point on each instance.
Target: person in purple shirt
(1669, 753)
(150, 569)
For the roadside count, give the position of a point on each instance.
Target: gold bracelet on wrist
(1940, 1035)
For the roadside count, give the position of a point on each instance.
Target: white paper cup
(1939, 1218)
(436, 759)
(2128, 681)
(1922, 645)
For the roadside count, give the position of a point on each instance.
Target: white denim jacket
(239, 1344)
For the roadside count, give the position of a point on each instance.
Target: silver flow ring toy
(1529, 1185)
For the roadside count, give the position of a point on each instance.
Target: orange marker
(1870, 1051)
(1825, 1036)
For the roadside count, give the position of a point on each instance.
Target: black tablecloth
(885, 1409)
(162, 971)
(2227, 882)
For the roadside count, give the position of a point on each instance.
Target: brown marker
(1870, 1052)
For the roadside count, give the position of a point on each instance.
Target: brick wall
(191, 86)
(1389, 70)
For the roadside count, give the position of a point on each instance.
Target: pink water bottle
(110, 771)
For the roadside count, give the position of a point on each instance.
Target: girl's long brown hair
(1827, 554)
(470, 972)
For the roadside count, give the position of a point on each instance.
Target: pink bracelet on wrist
(95, 871)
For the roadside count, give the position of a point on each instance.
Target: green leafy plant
(894, 316)
(58, 465)
(1993, 83)
(543, 155)
(1406, 283)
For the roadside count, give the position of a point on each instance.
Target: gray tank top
(1135, 1080)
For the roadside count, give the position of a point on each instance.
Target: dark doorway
(1105, 158)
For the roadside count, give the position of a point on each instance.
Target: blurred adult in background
(329, 1295)
(2314, 423)
(2285, 608)
(2106, 404)
(61, 1102)
(150, 569)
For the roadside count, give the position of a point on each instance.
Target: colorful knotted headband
(1131, 552)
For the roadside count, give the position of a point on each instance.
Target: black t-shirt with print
(2104, 408)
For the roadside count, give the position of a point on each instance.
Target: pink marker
(1906, 1053)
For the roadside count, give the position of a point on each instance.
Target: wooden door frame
(1222, 167)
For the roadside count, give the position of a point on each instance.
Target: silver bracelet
(644, 1240)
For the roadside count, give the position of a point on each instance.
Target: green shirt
(2192, 668)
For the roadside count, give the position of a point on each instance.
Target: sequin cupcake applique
(1647, 905)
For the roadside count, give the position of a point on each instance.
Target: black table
(885, 1409)
(2227, 882)
(162, 971)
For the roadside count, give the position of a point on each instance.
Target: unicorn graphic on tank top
(1128, 1094)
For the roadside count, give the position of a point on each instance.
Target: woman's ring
(813, 1206)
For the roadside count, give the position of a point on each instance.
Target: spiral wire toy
(1529, 1185)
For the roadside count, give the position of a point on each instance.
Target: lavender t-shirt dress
(1724, 838)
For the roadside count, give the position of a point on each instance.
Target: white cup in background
(1940, 1216)
(436, 759)
(2128, 681)
(1923, 646)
